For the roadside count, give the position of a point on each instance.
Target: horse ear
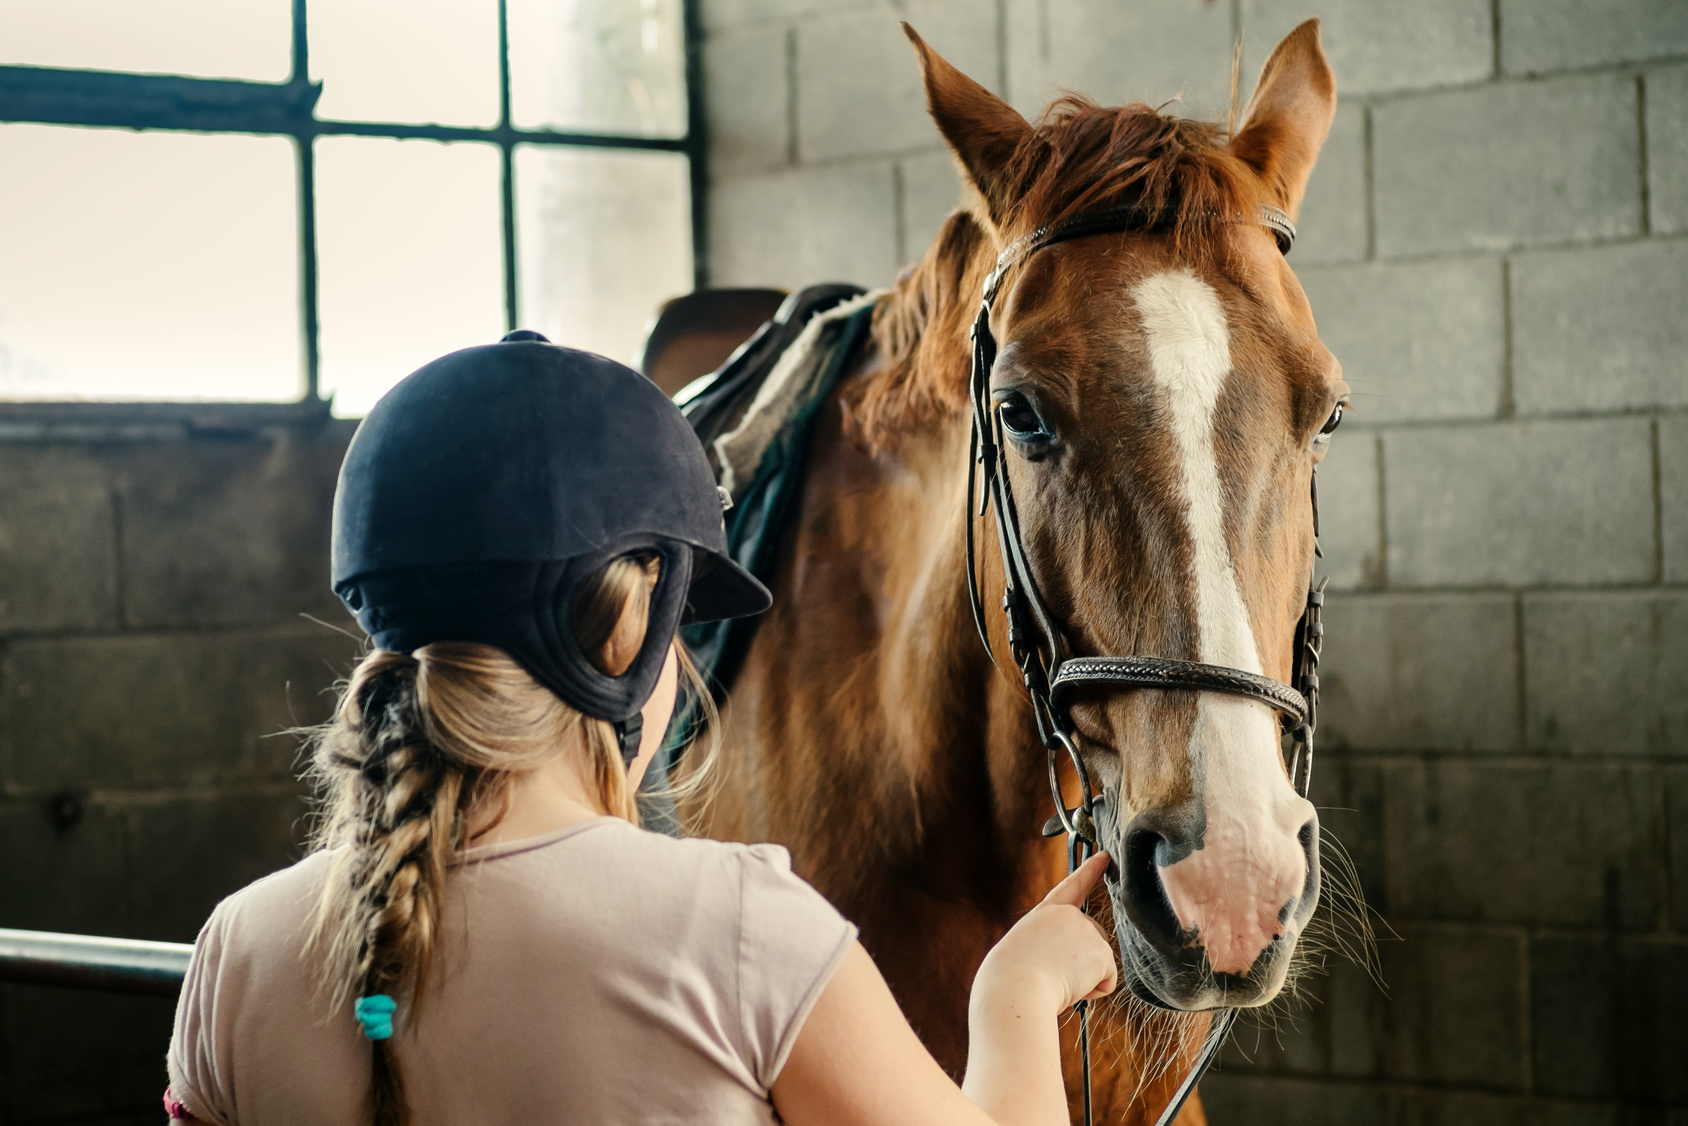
(1287, 119)
(983, 131)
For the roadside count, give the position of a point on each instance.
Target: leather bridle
(1040, 650)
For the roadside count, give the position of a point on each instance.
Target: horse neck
(964, 776)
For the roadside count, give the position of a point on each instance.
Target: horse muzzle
(1234, 946)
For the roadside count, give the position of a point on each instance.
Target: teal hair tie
(375, 1013)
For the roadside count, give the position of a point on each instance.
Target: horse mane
(1081, 157)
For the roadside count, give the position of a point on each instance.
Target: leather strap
(1167, 672)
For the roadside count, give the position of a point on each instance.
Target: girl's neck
(542, 801)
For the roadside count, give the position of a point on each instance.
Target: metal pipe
(80, 961)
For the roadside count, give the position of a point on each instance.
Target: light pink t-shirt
(599, 974)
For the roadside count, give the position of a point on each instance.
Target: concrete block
(747, 97)
(1673, 496)
(1454, 1013)
(1289, 1100)
(1552, 843)
(1542, 35)
(187, 855)
(1262, 1100)
(1676, 796)
(1525, 502)
(1450, 1009)
(1667, 150)
(65, 872)
(1025, 60)
(137, 711)
(1514, 164)
(1349, 528)
(1600, 329)
(931, 189)
(1604, 673)
(796, 228)
(1146, 51)
(1375, 47)
(1431, 1107)
(228, 532)
(1417, 341)
(1409, 672)
(1605, 1017)
(720, 15)
(1331, 226)
(858, 85)
(58, 540)
(84, 1057)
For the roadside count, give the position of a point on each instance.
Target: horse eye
(1019, 418)
(1334, 421)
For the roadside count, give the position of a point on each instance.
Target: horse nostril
(1309, 838)
(1146, 903)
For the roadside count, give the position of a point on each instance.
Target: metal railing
(80, 961)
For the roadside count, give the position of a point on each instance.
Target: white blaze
(1251, 862)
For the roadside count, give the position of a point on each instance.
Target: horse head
(1162, 398)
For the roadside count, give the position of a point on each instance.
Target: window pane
(601, 66)
(604, 238)
(410, 259)
(147, 265)
(212, 38)
(427, 61)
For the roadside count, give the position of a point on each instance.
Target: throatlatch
(1040, 651)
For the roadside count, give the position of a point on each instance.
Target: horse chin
(1184, 982)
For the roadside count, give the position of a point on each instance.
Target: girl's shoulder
(268, 915)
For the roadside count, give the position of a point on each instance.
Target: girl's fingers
(1075, 889)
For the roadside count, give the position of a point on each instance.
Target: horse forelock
(1081, 158)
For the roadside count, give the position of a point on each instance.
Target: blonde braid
(397, 798)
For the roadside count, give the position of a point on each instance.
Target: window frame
(179, 103)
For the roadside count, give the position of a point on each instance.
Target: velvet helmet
(483, 489)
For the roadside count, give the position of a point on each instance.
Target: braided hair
(423, 752)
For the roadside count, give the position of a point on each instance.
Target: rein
(1040, 650)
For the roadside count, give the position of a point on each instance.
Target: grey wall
(1493, 246)
(152, 577)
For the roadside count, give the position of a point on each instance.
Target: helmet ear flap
(558, 662)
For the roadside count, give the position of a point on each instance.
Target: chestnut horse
(1165, 397)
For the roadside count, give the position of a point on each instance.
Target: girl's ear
(984, 133)
(1287, 119)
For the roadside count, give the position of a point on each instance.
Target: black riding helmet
(484, 488)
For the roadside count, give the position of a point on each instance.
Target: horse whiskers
(1125, 1027)
(1344, 926)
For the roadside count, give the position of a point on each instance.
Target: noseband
(1039, 647)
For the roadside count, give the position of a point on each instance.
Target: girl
(484, 935)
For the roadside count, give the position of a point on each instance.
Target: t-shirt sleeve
(791, 942)
(193, 1060)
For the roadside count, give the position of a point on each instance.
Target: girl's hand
(1055, 956)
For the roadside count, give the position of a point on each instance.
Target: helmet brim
(722, 589)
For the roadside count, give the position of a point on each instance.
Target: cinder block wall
(1493, 246)
(152, 582)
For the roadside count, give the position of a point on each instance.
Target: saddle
(755, 416)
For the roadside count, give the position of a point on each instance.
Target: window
(286, 200)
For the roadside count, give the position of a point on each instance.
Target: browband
(1132, 217)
